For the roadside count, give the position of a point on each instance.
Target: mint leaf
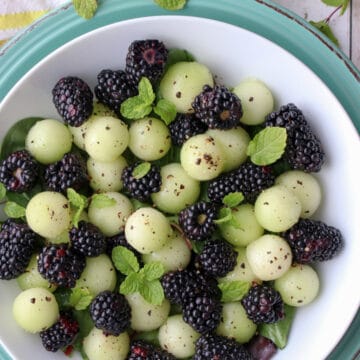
(2, 191)
(101, 201)
(325, 28)
(146, 92)
(124, 260)
(141, 170)
(233, 199)
(197, 246)
(233, 290)
(267, 146)
(178, 55)
(152, 292)
(166, 110)
(225, 215)
(13, 210)
(79, 202)
(85, 8)
(171, 4)
(80, 298)
(135, 108)
(132, 283)
(153, 271)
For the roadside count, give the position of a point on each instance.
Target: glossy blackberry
(73, 100)
(216, 347)
(263, 304)
(60, 265)
(69, 172)
(17, 243)
(87, 239)
(218, 107)
(19, 171)
(312, 240)
(145, 58)
(113, 88)
(142, 187)
(261, 348)
(110, 312)
(184, 127)
(217, 258)
(61, 334)
(197, 220)
(140, 350)
(120, 240)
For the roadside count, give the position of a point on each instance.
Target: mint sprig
(80, 298)
(14, 210)
(85, 8)
(166, 110)
(141, 170)
(171, 4)
(124, 260)
(226, 215)
(233, 290)
(78, 202)
(102, 200)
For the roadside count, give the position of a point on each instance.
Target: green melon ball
(182, 82)
(256, 99)
(149, 138)
(178, 190)
(48, 141)
(235, 142)
(235, 324)
(106, 138)
(79, 133)
(299, 286)
(202, 157)
(99, 346)
(48, 214)
(35, 309)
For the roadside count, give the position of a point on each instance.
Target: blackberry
(197, 220)
(110, 312)
(249, 179)
(216, 347)
(61, 334)
(218, 107)
(141, 188)
(113, 89)
(19, 171)
(145, 58)
(17, 243)
(60, 265)
(261, 348)
(120, 240)
(140, 350)
(217, 258)
(312, 240)
(263, 304)
(73, 100)
(202, 313)
(184, 127)
(69, 172)
(87, 239)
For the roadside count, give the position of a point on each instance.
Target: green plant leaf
(171, 4)
(124, 260)
(233, 290)
(102, 201)
(135, 108)
(197, 246)
(80, 298)
(225, 215)
(14, 210)
(333, 2)
(131, 284)
(146, 92)
(325, 28)
(152, 292)
(153, 270)
(178, 55)
(141, 170)
(2, 191)
(233, 199)
(344, 6)
(79, 202)
(85, 8)
(166, 110)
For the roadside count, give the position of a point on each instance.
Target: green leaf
(225, 215)
(233, 199)
(79, 202)
(278, 332)
(13, 210)
(135, 108)
(85, 8)
(197, 246)
(2, 191)
(153, 270)
(152, 292)
(141, 170)
(171, 4)
(267, 146)
(178, 55)
(131, 284)
(102, 201)
(325, 28)
(333, 2)
(166, 110)
(124, 260)
(80, 298)
(344, 6)
(146, 92)
(233, 290)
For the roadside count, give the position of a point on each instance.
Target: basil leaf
(13, 210)
(152, 292)
(85, 8)
(171, 4)
(233, 290)
(101, 201)
(124, 260)
(166, 110)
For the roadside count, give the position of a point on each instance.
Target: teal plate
(259, 16)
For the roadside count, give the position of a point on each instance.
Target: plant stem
(332, 14)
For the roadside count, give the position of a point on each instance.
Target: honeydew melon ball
(48, 141)
(299, 286)
(146, 316)
(79, 133)
(149, 138)
(235, 324)
(202, 157)
(35, 309)
(306, 187)
(178, 190)
(48, 214)
(106, 138)
(235, 142)
(277, 208)
(147, 230)
(111, 219)
(100, 346)
(177, 337)
(269, 257)
(182, 82)
(256, 99)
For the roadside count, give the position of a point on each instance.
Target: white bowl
(232, 54)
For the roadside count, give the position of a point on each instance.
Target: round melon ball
(48, 214)
(256, 99)
(269, 257)
(48, 141)
(178, 190)
(299, 286)
(177, 337)
(106, 138)
(235, 324)
(35, 309)
(149, 139)
(306, 188)
(202, 157)
(182, 82)
(235, 142)
(147, 230)
(99, 346)
(79, 133)
(146, 316)
(277, 208)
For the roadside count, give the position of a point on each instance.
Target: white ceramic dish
(232, 54)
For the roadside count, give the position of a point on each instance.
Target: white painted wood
(355, 32)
